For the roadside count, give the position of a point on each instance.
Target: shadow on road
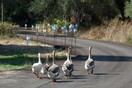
(105, 73)
(104, 58)
(63, 81)
(78, 77)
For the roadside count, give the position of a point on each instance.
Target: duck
(54, 69)
(67, 66)
(45, 67)
(89, 63)
(36, 67)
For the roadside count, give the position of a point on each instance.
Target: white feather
(89, 63)
(36, 67)
(54, 70)
(67, 64)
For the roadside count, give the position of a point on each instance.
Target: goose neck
(53, 57)
(69, 55)
(53, 60)
(89, 53)
(39, 60)
(47, 59)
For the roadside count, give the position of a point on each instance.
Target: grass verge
(14, 54)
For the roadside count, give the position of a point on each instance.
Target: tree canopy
(85, 12)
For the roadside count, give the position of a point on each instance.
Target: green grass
(129, 41)
(14, 54)
(11, 67)
(16, 61)
(19, 61)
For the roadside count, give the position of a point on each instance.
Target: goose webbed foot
(40, 77)
(70, 75)
(92, 71)
(47, 78)
(53, 80)
(67, 76)
(88, 72)
(36, 75)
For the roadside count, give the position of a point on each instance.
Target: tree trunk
(2, 11)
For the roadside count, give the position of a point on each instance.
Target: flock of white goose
(68, 67)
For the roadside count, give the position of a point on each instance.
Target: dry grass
(115, 30)
(20, 45)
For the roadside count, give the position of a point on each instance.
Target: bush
(61, 23)
(7, 29)
(128, 9)
(129, 40)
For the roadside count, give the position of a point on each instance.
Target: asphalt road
(113, 67)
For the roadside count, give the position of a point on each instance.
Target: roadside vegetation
(8, 29)
(114, 30)
(15, 54)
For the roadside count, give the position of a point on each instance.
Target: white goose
(89, 64)
(54, 70)
(67, 66)
(45, 68)
(36, 67)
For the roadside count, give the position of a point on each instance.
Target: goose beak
(69, 48)
(53, 53)
(38, 54)
(90, 47)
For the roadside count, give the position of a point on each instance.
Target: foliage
(84, 12)
(129, 40)
(7, 29)
(114, 30)
(43, 8)
(16, 11)
(61, 23)
(128, 9)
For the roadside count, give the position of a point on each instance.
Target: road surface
(113, 67)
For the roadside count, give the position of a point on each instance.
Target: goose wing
(54, 69)
(37, 66)
(69, 66)
(89, 64)
(46, 67)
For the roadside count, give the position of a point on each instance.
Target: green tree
(128, 9)
(121, 6)
(85, 12)
(42, 9)
(16, 11)
(2, 10)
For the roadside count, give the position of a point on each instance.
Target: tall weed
(115, 30)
